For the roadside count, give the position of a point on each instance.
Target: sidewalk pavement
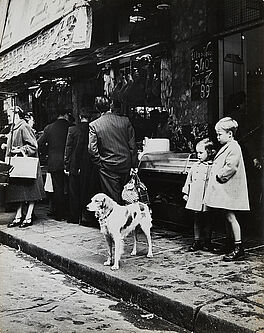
(197, 291)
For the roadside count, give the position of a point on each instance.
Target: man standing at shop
(112, 147)
(54, 136)
(83, 179)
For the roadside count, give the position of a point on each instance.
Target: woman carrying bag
(22, 142)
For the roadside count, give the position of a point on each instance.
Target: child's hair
(227, 124)
(208, 146)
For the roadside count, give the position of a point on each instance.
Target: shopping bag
(48, 187)
(141, 190)
(23, 167)
(130, 193)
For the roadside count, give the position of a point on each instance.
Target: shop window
(233, 71)
(239, 12)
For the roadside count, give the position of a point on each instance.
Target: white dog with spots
(116, 222)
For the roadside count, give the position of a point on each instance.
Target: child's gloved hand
(185, 197)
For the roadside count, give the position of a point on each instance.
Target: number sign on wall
(203, 71)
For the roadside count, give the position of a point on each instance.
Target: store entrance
(243, 76)
(243, 100)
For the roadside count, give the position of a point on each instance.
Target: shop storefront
(187, 62)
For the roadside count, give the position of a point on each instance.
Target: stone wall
(189, 28)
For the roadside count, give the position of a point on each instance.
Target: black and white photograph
(131, 166)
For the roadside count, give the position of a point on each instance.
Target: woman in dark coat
(21, 190)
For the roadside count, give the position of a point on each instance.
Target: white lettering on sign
(202, 60)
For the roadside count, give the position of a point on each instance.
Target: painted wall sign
(203, 71)
(26, 17)
(71, 33)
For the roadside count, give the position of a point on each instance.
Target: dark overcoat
(112, 143)
(54, 135)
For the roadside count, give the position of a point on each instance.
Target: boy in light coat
(227, 186)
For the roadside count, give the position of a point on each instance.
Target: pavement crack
(49, 310)
(15, 311)
(198, 309)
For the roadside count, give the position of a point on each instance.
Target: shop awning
(72, 32)
(74, 63)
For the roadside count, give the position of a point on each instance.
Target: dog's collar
(106, 215)
(102, 222)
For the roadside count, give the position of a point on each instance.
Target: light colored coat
(227, 186)
(195, 185)
(20, 190)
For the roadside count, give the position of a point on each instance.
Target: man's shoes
(208, 246)
(237, 254)
(59, 219)
(50, 214)
(196, 246)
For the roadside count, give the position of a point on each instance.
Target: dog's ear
(102, 204)
(109, 202)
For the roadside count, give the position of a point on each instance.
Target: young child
(227, 186)
(194, 190)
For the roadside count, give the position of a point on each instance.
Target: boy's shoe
(237, 254)
(208, 246)
(196, 246)
(225, 248)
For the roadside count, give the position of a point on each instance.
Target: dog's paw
(108, 262)
(115, 267)
(150, 255)
(133, 253)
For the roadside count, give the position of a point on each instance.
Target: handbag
(142, 190)
(135, 191)
(130, 193)
(23, 166)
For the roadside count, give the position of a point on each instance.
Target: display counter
(168, 162)
(164, 173)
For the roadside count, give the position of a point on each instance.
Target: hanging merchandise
(109, 78)
(117, 88)
(127, 88)
(166, 83)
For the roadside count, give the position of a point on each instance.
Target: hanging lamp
(137, 14)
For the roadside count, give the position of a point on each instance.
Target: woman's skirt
(22, 189)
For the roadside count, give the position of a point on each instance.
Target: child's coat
(195, 185)
(227, 186)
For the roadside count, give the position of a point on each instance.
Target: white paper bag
(48, 187)
(23, 167)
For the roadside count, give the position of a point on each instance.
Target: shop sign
(203, 71)
(71, 33)
(26, 17)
